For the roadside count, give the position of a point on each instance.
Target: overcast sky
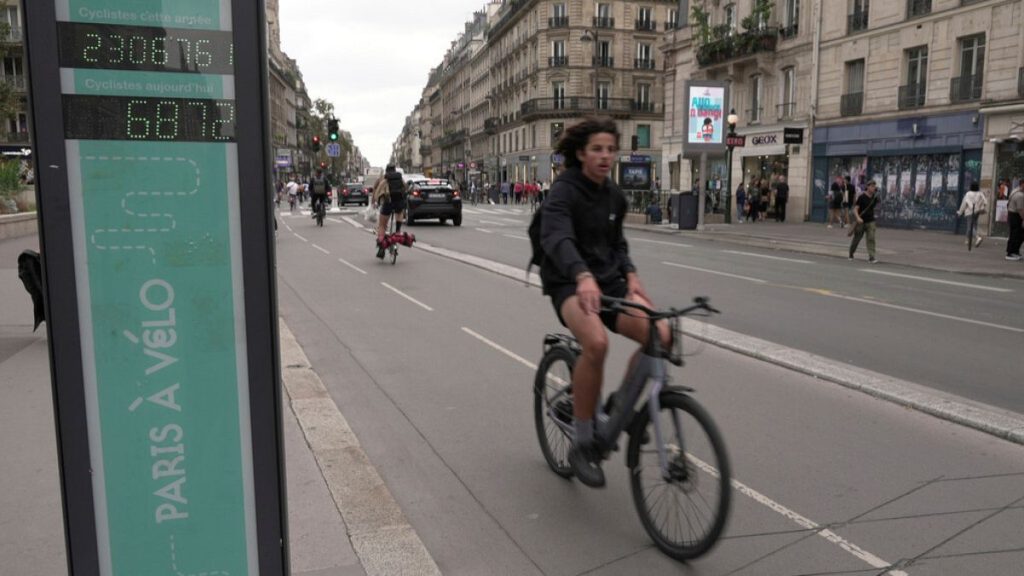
(371, 58)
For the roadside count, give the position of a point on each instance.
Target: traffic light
(332, 129)
(316, 143)
(323, 165)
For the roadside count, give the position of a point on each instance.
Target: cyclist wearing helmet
(390, 190)
(586, 255)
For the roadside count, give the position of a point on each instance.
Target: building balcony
(16, 137)
(645, 25)
(734, 46)
(17, 83)
(965, 88)
(911, 96)
(790, 31)
(558, 22)
(671, 25)
(786, 111)
(856, 22)
(643, 63)
(451, 138)
(851, 104)
(491, 125)
(558, 61)
(577, 106)
(600, 22)
(645, 107)
(603, 61)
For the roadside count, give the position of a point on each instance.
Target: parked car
(354, 193)
(431, 198)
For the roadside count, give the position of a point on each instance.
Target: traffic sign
(162, 322)
(333, 149)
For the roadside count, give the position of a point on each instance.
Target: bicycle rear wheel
(552, 408)
(394, 253)
(685, 513)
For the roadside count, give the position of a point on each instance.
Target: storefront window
(1009, 175)
(919, 191)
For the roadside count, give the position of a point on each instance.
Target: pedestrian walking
(504, 192)
(781, 197)
(1015, 217)
(766, 198)
(835, 202)
(753, 200)
(864, 213)
(973, 205)
(741, 202)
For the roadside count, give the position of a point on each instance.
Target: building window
(791, 19)
(558, 94)
(604, 93)
(911, 95)
(858, 16)
(645, 18)
(604, 54)
(673, 19)
(643, 98)
(754, 114)
(644, 59)
(788, 107)
(643, 135)
(603, 18)
(967, 86)
(852, 101)
(559, 16)
(918, 8)
(730, 16)
(558, 57)
(556, 132)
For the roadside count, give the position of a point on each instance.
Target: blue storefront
(923, 166)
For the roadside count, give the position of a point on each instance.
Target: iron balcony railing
(851, 104)
(603, 22)
(603, 61)
(643, 63)
(965, 88)
(14, 35)
(646, 25)
(558, 61)
(729, 47)
(491, 125)
(558, 22)
(645, 107)
(572, 105)
(789, 31)
(670, 25)
(17, 83)
(911, 96)
(787, 110)
(857, 21)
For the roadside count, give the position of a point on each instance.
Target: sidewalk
(342, 520)
(927, 249)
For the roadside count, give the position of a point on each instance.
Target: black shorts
(615, 289)
(392, 205)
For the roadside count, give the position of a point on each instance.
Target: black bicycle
(679, 469)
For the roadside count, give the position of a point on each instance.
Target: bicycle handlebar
(699, 303)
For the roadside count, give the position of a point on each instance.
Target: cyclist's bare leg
(588, 374)
(382, 227)
(635, 326)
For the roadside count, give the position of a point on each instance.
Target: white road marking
(662, 242)
(352, 266)
(747, 278)
(335, 220)
(806, 523)
(936, 280)
(300, 237)
(484, 230)
(517, 237)
(289, 228)
(492, 222)
(407, 297)
(755, 255)
(355, 223)
(321, 249)
(803, 522)
(915, 310)
(501, 349)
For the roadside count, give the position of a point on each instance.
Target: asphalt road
(430, 361)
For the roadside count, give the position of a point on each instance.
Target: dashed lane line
(706, 271)
(407, 297)
(300, 237)
(756, 255)
(324, 250)
(937, 281)
(352, 266)
(516, 236)
(662, 242)
(484, 230)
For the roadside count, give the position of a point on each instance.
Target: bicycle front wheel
(684, 508)
(552, 408)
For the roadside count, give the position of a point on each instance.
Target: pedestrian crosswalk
(497, 211)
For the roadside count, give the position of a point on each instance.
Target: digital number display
(152, 119)
(145, 48)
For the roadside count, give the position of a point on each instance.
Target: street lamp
(591, 36)
(730, 142)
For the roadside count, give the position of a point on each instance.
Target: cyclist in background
(389, 192)
(319, 186)
(586, 255)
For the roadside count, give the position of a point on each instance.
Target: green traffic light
(334, 136)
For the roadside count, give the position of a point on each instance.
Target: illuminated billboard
(706, 111)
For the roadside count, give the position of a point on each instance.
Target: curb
(379, 532)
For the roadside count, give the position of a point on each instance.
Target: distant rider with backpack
(390, 193)
(319, 186)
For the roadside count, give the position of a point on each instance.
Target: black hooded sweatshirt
(581, 230)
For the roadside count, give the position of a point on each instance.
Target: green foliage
(8, 98)
(702, 20)
(10, 178)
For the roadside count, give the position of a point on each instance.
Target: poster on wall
(707, 108)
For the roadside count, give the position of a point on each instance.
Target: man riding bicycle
(389, 193)
(586, 255)
(319, 186)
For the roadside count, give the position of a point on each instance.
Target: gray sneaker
(585, 460)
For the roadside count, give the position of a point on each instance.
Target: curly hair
(575, 137)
